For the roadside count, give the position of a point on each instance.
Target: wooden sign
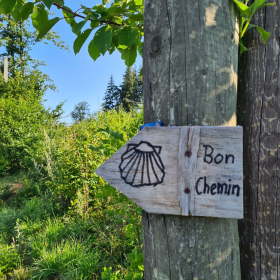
(185, 171)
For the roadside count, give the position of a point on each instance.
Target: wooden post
(258, 112)
(190, 78)
(6, 69)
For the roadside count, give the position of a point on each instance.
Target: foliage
(118, 26)
(127, 95)
(246, 14)
(111, 96)
(22, 117)
(81, 111)
(130, 90)
(98, 234)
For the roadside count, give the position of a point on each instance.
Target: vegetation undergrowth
(58, 219)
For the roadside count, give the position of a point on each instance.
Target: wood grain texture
(188, 143)
(190, 78)
(259, 113)
(212, 173)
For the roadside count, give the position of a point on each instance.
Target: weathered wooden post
(6, 77)
(259, 113)
(189, 167)
(190, 78)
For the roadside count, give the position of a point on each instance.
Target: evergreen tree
(131, 89)
(112, 96)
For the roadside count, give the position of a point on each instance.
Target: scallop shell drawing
(141, 165)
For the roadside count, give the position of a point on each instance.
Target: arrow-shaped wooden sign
(185, 171)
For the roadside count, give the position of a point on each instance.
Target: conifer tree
(130, 89)
(112, 96)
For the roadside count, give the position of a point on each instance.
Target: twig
(131, 101)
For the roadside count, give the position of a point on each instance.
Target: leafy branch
(246, 15)
(116, 27)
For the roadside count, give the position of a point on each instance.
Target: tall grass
(67, 223)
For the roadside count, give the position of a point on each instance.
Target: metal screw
(187, 191)
(188, 153)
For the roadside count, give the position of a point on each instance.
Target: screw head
(187, 190)
(188, 153)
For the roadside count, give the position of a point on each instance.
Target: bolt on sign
(188, 171)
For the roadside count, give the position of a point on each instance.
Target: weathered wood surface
(190, 78)
(259, 113)
(212, 172)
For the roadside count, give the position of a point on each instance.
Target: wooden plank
(187, 158)
(189, 78)
(152, 169)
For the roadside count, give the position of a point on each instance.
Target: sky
(77, 78)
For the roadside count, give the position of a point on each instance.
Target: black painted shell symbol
(141, 165)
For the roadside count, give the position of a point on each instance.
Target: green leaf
(127, 36)
(48, 3)
(242, 48)
(46, 28)
(16, 14)
(243, 8)
(138, 2)
(6, 6)
(104, 2)
(103, 38)
(27, 10)
(69, 17)
(39, 17)
(93, 50)
(129, 55)
(80, 40)
(257, 5)
(250, 26)
(264, 34)
(94, 24)
(140, 49)
(78, 27)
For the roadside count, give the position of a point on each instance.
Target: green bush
(9, 259)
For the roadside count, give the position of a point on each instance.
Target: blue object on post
(159, 123)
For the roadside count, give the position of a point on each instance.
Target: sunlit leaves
(16, 14)
(264, 34)
(47, 27)
(93, 50)
(80, 40)
(119, 25)
(103, 39)
(128, 35)
(129, 55)
(48, 3)
(69, 17)
(6, 6)
(79, 26)
(246, 14)
(39, 17)
(27, 10)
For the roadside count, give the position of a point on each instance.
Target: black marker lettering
(208, 155)
(216, 158)
(227, 158)
(196, 187)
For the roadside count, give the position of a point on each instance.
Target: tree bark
(259, 113)
(190, 78)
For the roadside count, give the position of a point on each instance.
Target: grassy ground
(41, 240)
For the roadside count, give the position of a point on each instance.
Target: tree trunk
(259, 113)
(190, 78)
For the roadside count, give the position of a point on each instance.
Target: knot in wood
(156, 43)
(188, 153)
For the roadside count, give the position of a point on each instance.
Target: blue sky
(77, 78)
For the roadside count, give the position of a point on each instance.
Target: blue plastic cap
(159, 123)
